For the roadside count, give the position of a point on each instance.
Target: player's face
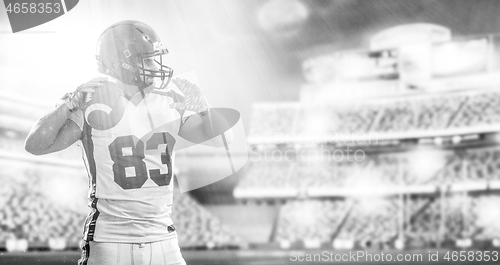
(151, 63)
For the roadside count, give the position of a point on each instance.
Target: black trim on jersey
(88, 146)
(93, 220)
(85, 254)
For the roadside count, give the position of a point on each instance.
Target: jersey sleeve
(77, 117)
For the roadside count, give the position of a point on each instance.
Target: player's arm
(204, 128)
(55, 131)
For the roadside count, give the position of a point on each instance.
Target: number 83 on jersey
(128, 154)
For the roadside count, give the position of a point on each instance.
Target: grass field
(265, 257)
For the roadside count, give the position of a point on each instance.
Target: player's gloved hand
(194, 99)
(76, 100)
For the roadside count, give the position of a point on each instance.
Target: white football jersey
(130, 168)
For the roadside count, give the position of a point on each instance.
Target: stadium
(371, 131)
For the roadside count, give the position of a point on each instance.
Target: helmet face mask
(152, 68)
(124, 47)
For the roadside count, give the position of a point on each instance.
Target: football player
(128, 130)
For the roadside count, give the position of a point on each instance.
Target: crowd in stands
(27, 213)
(421, 221)
(441, 217)
(371, 221)
(427, 199)
(309, 220)
(481, 109)
(266, 175)
(406, 115)
(28, 210)
(197, 227)
(473, 165)
(280, 118)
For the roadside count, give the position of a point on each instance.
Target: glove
(77, 99)
(194, 100)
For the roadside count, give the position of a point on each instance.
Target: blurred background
(371, 125)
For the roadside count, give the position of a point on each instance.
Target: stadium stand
(29, 210)
(374, 202)
(197, 227)
(410, 116)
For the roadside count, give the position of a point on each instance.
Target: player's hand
(194, 100)
(83, 93)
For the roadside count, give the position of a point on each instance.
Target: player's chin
(157, 83)
(150, 82)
